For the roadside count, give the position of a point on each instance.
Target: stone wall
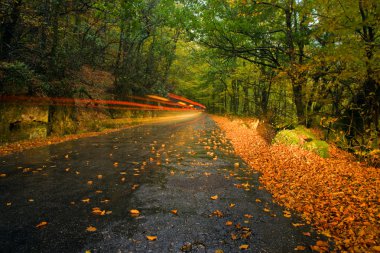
(18, 122)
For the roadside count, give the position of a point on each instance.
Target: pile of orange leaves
(336, 195)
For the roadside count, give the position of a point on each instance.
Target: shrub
(304, 138)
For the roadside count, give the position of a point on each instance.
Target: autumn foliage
(337, 195)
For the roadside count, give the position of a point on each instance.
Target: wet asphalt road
(155, 168)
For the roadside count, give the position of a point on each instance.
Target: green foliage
(15, 78)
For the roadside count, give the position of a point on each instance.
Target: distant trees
(316, 62)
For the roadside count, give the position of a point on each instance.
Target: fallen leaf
(41, 224)
(258, 200)
(233, 236)
(287, 214)
(322, 244)
(217, 213)
(87, 200)
(215, 197)
(297, 224)
(376, 248)
(134, 212)
(244, 247)
(9, 203)
(151, 237)
(100, 176)
(219, 251)
(229, 223)
(3, 175)
(232, 205)
(248, 216)
(89, 182)
(134, 187)
(306, 233)
(300, 248)
(174, 211)
(236, 165)
(98, 211)
(91, 229)
(266, 210)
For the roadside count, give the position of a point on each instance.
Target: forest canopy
(288, 62)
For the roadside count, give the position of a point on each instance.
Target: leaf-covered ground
(337, 195)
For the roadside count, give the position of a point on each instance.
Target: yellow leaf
(248, 216)
(300, 248)
(266, 210)
(100, 176)
(232, 205)
(258, 200)
(236, 165)
(91, 229)
(229, 223)
(3, 175)
(87, 200)
(244, 247)
(41, 224)
(174, 211)
(298, 224)
(89, 182)
(376, 248)
(214, 197)
(287, 214)
(326, 233)
(219, 251)
(151, 237)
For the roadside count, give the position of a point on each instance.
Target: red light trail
(160, 103)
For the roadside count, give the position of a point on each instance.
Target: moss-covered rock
(304, 138)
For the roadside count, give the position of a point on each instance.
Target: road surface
(184, 164)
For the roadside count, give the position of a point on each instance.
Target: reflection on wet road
(190, 190)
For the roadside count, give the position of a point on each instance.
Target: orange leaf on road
(41, 224)
(151, 237)
(244, 247)
(91, 229)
